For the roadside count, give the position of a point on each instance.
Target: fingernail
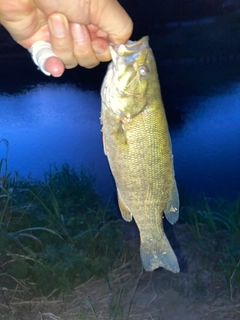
(98, 49)
(78, 32)
(58, 25)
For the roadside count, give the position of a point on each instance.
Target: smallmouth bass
(137, 144)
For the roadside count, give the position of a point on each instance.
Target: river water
(60, 123)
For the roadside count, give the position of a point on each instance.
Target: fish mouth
(123, 55)
(130, 47)
(128, 50)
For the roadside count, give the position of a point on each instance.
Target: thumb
(115, 21)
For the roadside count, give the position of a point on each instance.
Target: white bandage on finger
(40, 52)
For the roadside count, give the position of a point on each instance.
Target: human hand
(78, 33)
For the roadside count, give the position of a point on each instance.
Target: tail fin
(159, 255)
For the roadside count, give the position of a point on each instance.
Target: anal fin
(172, 208)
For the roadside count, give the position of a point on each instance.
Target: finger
(100, 44)
(113, 20)
(101, 49)
(61, 39)
(25, 23)
(54, 66)
(108, 15)
(41, 52)
(83, 50)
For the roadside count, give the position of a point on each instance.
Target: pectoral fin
(125, 211)
(172, 209)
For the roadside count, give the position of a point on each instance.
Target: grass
(215, 228)
(54, 233)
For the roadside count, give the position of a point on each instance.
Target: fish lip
(128, 48)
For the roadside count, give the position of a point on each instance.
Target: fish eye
(143, 71)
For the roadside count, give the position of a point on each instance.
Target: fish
(137, 144)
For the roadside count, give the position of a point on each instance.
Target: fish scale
(137, 144)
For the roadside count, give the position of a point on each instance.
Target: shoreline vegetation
(56, 235)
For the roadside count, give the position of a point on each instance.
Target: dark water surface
(60, 123)
(207, 147)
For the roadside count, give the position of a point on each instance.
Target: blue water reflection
(207, 148)
(57, 124)
(53, 124)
